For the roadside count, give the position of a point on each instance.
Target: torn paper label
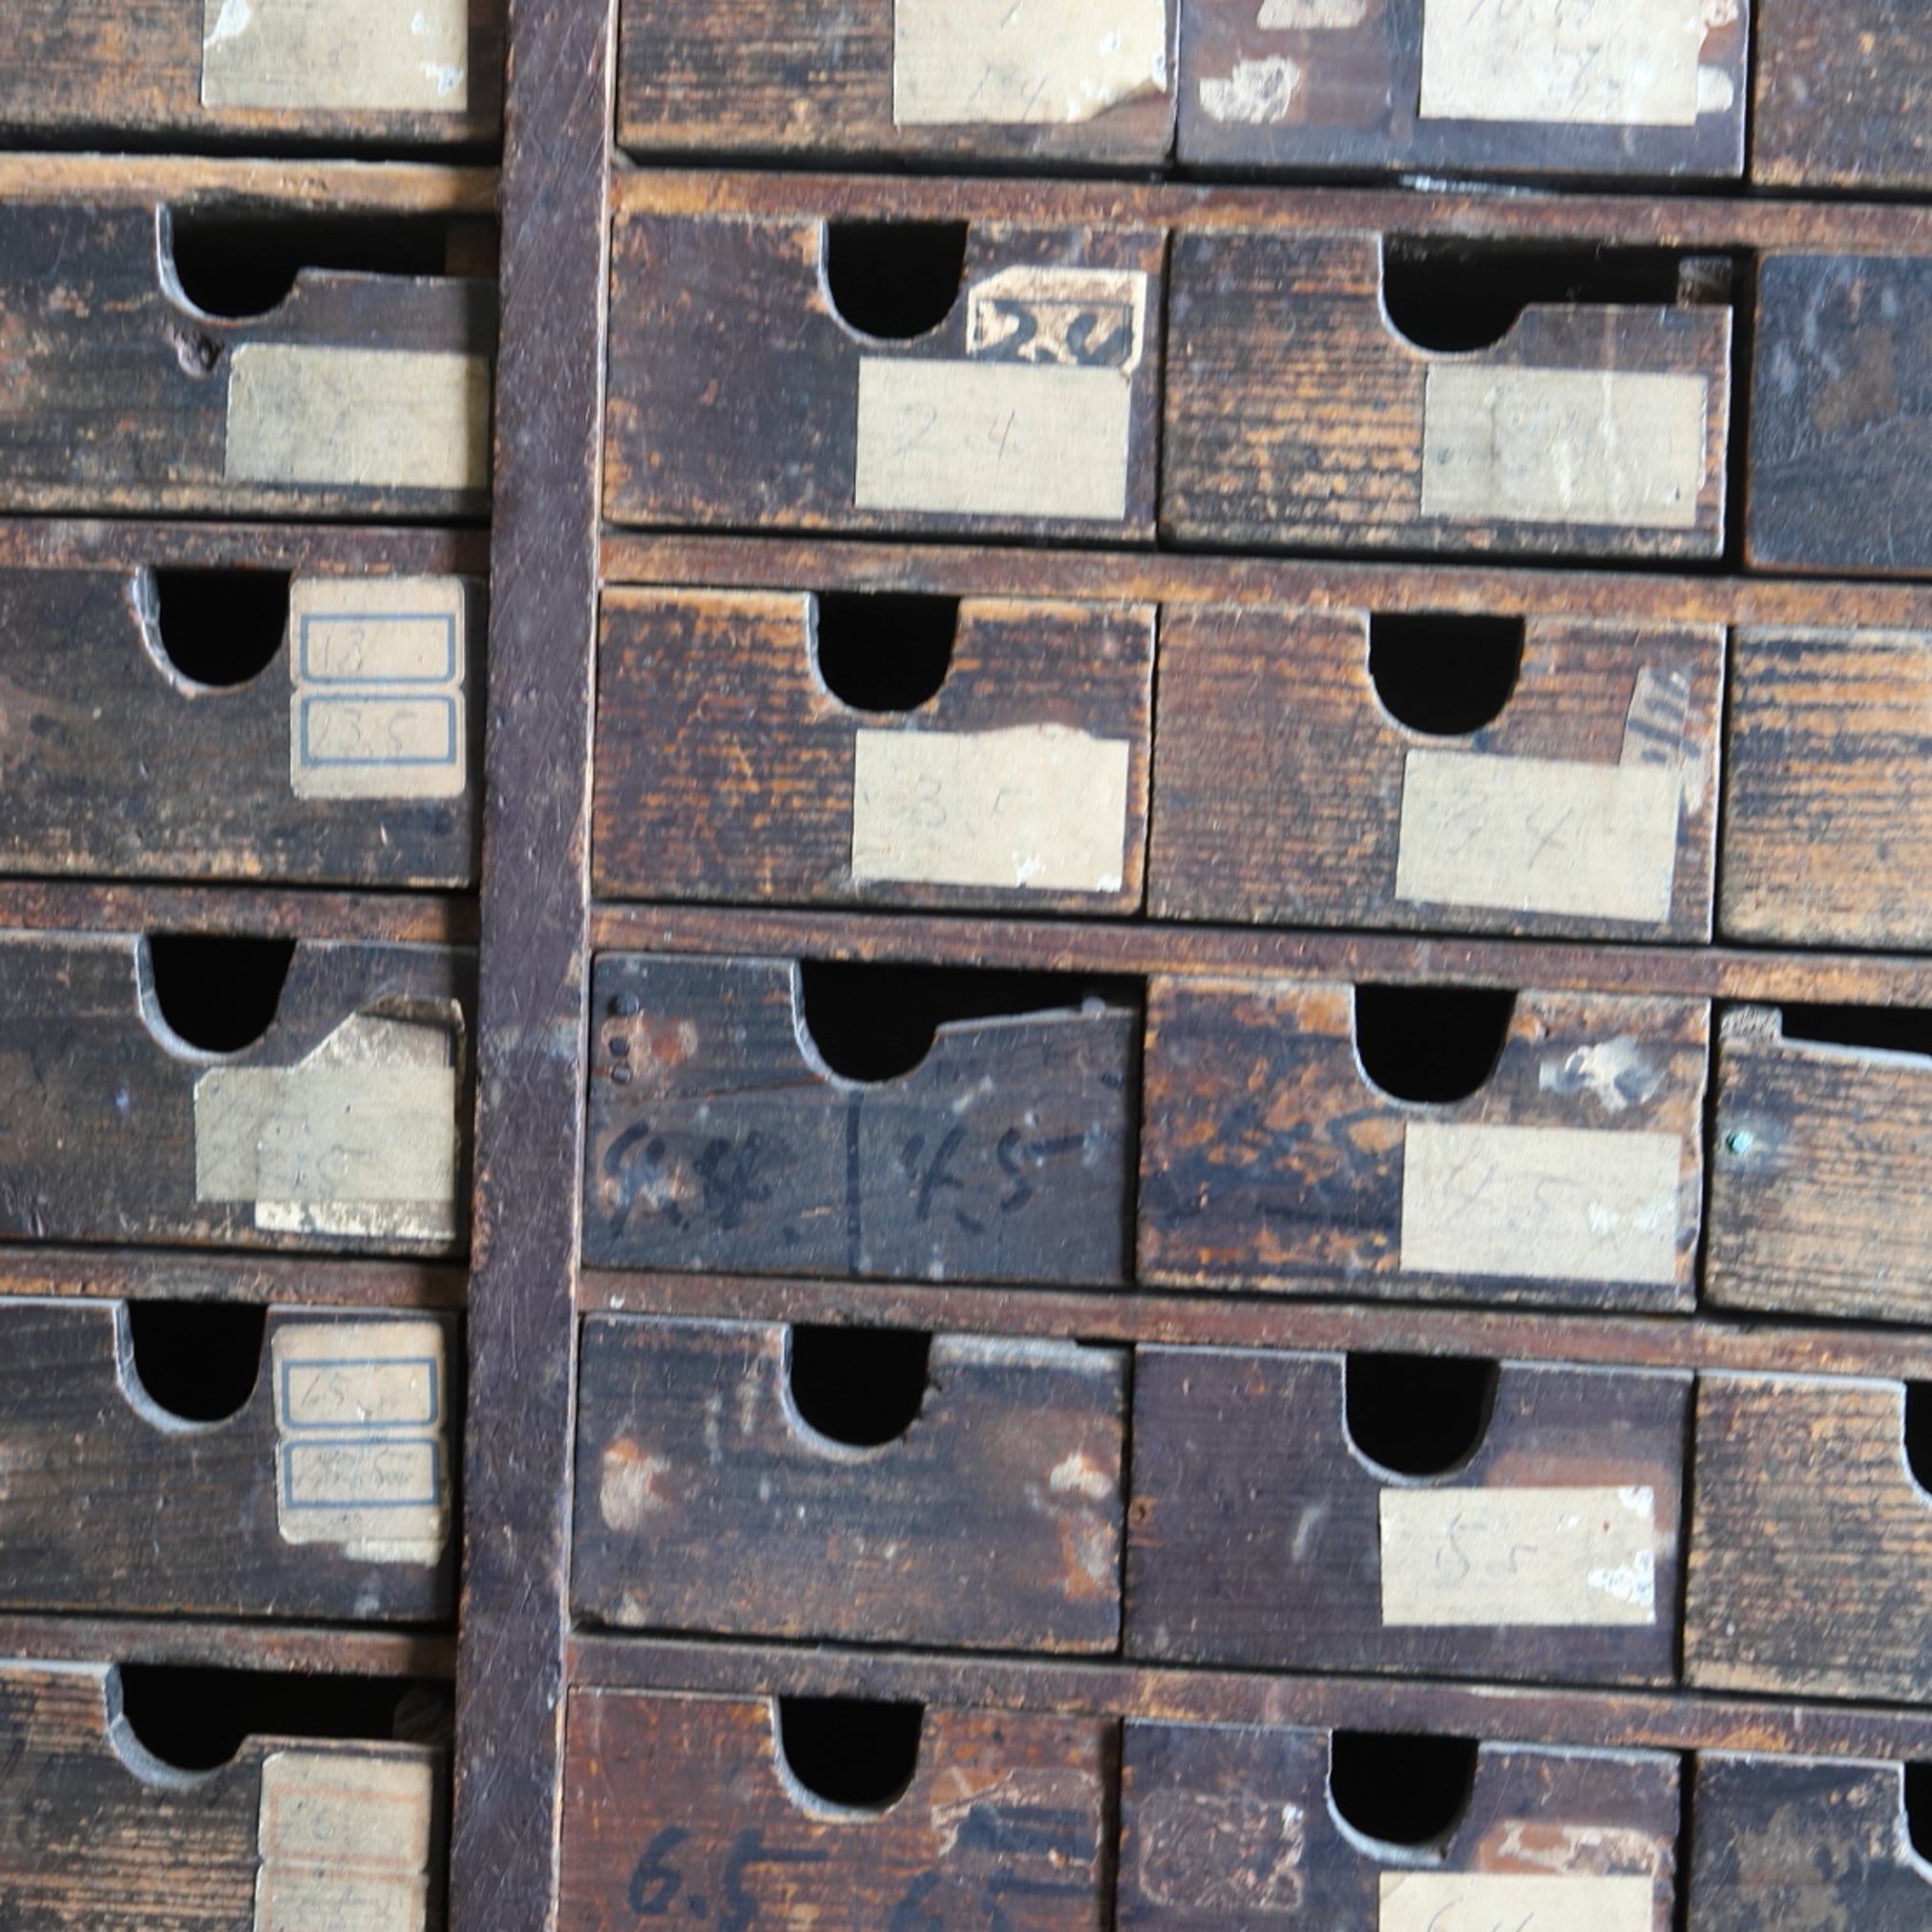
(1025, 63)
(1072, 318)
(1514, 1902)
(1256, 93)
(343, 1841)
(338, 56)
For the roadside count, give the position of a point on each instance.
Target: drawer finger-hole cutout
(211, 993)
(1418, 1416)
(1429, 1045)
(1919, 1435)
(846, 1754)
(1919, 1801)
(1443, 674)
(198, 1361)
(213, 629)
(883, 650)
(893, 280)
(859, 1388)
(1400, 1791)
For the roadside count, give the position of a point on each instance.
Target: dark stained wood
(1281, 770)
(292, 1648)
(705, 1502)
(255, 912)
(1255, 1533)
(1224, 1828)
(1810, 1541)
(110, 1274)
(716, 1140)
(686, 1802)
(402, 550)
(725, 764)
(1269, 1159)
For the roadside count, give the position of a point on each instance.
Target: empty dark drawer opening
(1418, 1416)
(217, 993)
(893, 280)
(849, 1752)
(1883, 1029)
(858, 1386)
(1431, 1045)
(217, 628)
(197, 1360)
(883, 650)
(1443, 674)
(1400, 1789)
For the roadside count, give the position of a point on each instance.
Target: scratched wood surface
(1811, 1541)
(102, 1133)
(682, 1808)
(714, 1140)
(725, 764)
(1256, 1535)
(1269, 1160)
(1281, 769)
(1224, 1827)
(1844, 96)
(993, 1520)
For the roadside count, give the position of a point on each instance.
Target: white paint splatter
(1257, 93)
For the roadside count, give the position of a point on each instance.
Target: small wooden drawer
(1811, 1541)
(799, 373)
(677, 1807)
(241, 723)
(325, 1494)
(159, 359)
(1299, 415)
(1306, 1512)
(1224, 1828)
(1828, 801)
(876, 749)
(720, 1137)
(1843, 87)
(1274, 1157)
(989, 1517)
(1556, 775)
(1802, 1842)
(1652, 89)
(1839, 444)
(1817, 1175)
(1067, 82)
(340, 1126)
(206, 71)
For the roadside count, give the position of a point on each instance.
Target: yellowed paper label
(1539, 835)
(343, 1841)
(1612, 447)
(1577, 63)
(377, 711)
(374, 419)
(1551, 1557)
(1542, 1204)
(1513, 1901)
(348, 57)
(1004, 63)
(1071, 318)
(361, 1136)
(1037, 806)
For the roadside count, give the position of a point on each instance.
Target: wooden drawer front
(1810, 1544)
(1840, 438)
(358, 70)
(1800, 1841)
(1262, 1534)
(1288, 793)
(341, 1128)
(993, 1520)
(288, 1833)
(352, 756)
(1654, 89)
(728, 767)
(718, 1140)
(326, 1495)
(1573, 1176)
(356, 395)
(1067, 82)
(1828, 804)
(1818, 1176)
(1843, 87)
(686, 1805)
(1223, 1828)
(1297, 417)
(739, 396)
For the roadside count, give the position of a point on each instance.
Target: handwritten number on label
(656, 1882)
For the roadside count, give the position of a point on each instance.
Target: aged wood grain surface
(1281, 771)
(341, 1649)
(256, 911)
(725, 764)
(994, 1521)
(1844, 96)
(1810, 1541)
(1223, 1828)
(1253, 1535)
(46, 1272)
(680, 1807)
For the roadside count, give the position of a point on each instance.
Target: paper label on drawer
(361, 1438)
(1513, 1901)
(1543, 1204)
(359, 1138)
(1577, 63)
(1037, 806)
(377, 711)
(1025, 63)
(343, 57)
(1539, 835)
(1610, 447)
(1545, 1557)
(343, 1843)
(363, 418)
